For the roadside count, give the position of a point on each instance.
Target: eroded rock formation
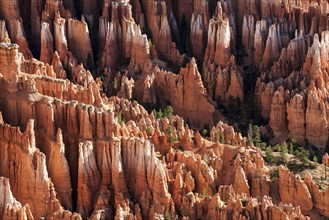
(76, 142)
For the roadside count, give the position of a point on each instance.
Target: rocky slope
(77, 80)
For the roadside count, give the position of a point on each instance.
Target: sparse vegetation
(170, 134)
(204, 132)
(256, 135)
(291, 149)
(167, 113)
(216, 135)
(302, 155)
(204, 194)
(278, 155)
(263, 145)
(118, 117)
(315, 159)
(269, 157)
(298, 167)
(222, 138)
(283, 158)
(147, 129)
(159, 114)
(274, 174)
(155, 113)
(167, 216)
(292, 145)
(283, 153)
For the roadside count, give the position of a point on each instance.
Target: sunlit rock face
(79, 81)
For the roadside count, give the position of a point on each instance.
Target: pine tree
(256, 135)
(283, 157)
(291, 148)
(168, 112)
(160, 114)
(269, 155)
(155, 114)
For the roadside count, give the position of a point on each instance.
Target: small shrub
(283, 147)
(216, 136)
(169, 131)
(204, 193)
(283, 158)
(292, 145)
(204, 132)
(167, 216)
(147, 129)
(291, 148)
(172, 138)
(249, 142)
(269, 157)
(168, 112)
(118, 117)
(302, 155)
